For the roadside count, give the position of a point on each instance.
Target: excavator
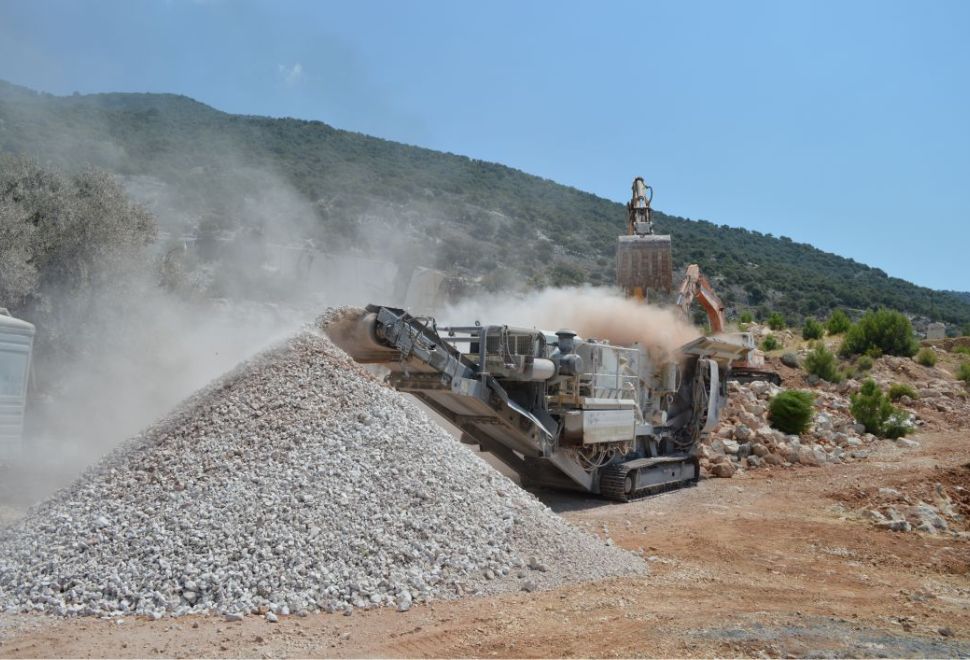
(695, 286)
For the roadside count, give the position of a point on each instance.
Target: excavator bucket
(644, 262)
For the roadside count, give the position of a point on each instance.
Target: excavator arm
(696, 287)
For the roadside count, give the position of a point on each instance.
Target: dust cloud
(198, 302)
(592, 312)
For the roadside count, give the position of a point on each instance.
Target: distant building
(935, 331)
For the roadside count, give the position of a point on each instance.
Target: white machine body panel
(596, 426)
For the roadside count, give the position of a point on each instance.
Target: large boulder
(774, 459)
(742, 433)
(806, 456)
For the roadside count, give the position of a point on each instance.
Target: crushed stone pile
(298, 482)
(745, 439)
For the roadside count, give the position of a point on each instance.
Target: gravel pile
(295, 483)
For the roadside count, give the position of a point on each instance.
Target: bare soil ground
(768, 564)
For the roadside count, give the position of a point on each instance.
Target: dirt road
(774, 563)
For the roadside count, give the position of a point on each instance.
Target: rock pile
(297, 482)
(745, 439)
(941, 398)
(928, 508)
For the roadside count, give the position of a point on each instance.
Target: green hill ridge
(474, 218)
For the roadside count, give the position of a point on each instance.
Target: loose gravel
(297, 482)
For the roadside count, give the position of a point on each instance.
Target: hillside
(203, 169)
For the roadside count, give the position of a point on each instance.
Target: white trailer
(16, 345)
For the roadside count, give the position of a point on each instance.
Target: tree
(887, 330)
(791, 411)
(871, 408)
(812, 329)
(838, 322)
(821, 362)
(899, 390)
(62, 238)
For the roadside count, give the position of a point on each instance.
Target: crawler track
(615, 485)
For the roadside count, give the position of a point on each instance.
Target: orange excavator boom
(696, 287)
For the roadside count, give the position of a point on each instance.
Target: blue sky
(841, 124)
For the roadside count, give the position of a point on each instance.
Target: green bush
(838, 323)
(963, 372)
(964, 350)
(887, 330)
(926, 357)
(812, 329)
(821, 362)
(776, 321)
(898, 390)
(791, 411)
(872, 409)
(864, 363)
(769, 343)
(746, 317)
(897, 425)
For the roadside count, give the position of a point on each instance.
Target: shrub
(864, 363)
(926, 357)
(746, 317)
(898, 390)
(812, 329)
(769, 343)
(872, 409)
(776, 321)
(897, 425)
(791, 411)
(838, 323)
(885, 329)
(964, 350)
(963, 372)
(821, 362)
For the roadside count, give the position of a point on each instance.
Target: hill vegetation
(199, 170)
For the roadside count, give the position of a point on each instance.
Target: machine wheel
(616, 483)
(628, 482)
